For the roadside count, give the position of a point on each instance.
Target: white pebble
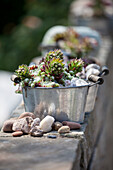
(92, 66)
(46, 123)
(92, 71)
(81, 82)
(73, 82)
(78, 82)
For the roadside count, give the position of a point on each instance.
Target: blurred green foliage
(18, 41)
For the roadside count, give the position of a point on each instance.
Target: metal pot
(61, 103)
(64, 103)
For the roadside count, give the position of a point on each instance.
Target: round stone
(57, 125)
(17, 133)
(64, 129)
(72, 125)
(46, 123)
(92, 66)
(7, 126)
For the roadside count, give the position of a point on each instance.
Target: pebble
(81, 75)
(36, 132)
(8, 124)
(92, 71)
(95, 66)
(35, 122)
(78, 82)
(73, 81)
(25, 114)
(52, 136)
(64, 129)
(72, 125)
(46, 123)
(23, 124)
(17, 133)
(57, 125)
(81, 82)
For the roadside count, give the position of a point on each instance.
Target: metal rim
(41, 88)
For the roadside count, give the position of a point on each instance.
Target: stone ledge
(72, 148)
(37, 153)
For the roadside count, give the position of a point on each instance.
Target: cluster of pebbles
(26, 123)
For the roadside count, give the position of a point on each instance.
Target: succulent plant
(23, 72)
(75, 66)
(51, 72)
(71, 42)
(56, 54)
(52, 66)
(68, 34)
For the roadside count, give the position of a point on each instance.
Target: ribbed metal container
(67, 103)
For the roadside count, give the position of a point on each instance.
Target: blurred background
(22, 26)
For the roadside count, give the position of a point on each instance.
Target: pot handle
(104, 71)
(15, 79)
(96, 79)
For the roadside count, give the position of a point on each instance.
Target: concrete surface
(28, 153)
